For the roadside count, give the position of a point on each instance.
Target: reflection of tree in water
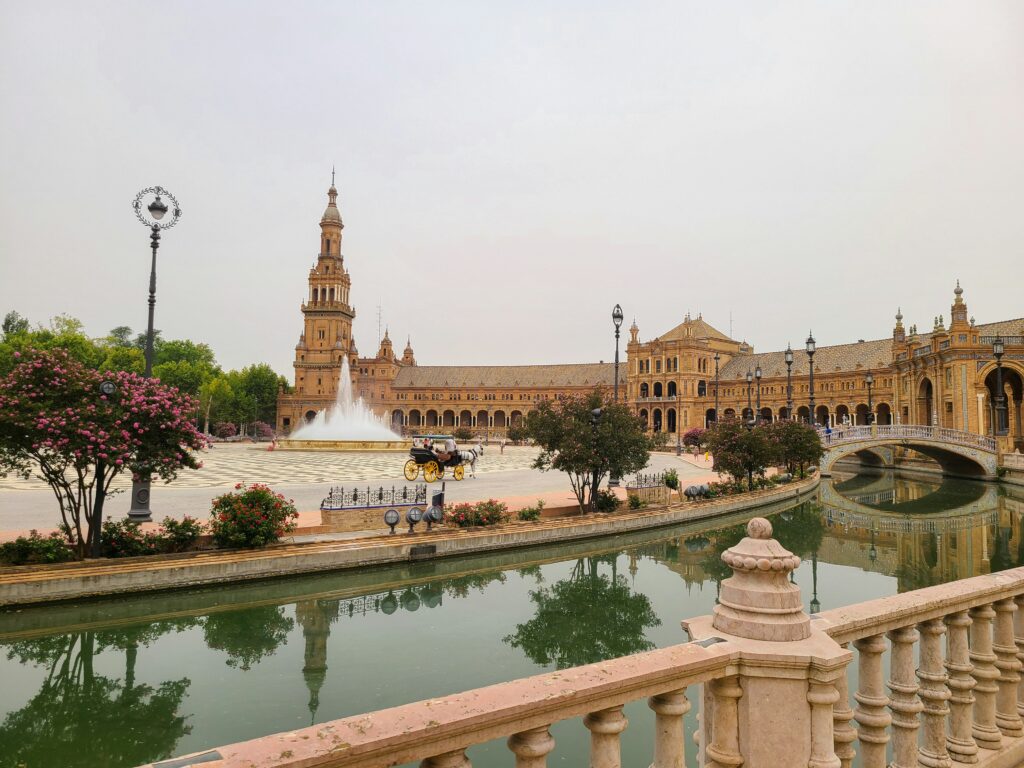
(79, 718)
(461, 585)
(585, 618)
(249, 635)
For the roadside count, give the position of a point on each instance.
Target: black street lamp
(617, 322)
(613, 480)
(157, 209)
(997, 351)
(757, 377)
(811, 349)
(869, 379)
(750, 411)
(717, 358)
(789, 381)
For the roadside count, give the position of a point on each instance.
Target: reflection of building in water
(315, 617)
(685, 556)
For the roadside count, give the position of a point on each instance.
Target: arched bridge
(958, 453)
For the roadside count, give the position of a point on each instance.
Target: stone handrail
(1013, 460)
(964, 694)
(438, 731)
(908, 431)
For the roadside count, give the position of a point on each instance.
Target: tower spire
(332, 175)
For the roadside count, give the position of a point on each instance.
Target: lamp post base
(613, 481)
(140, 512)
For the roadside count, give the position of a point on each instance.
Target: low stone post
(776, 711)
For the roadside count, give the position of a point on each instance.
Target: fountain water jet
(347, 426)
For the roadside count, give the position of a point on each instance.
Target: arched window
(657, 366)
(657, 389)
(643, 389)
(702, 389)
(328, 248)
(671, 392)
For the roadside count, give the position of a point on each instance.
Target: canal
(127, 681)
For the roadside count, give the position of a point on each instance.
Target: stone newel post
(775, 711)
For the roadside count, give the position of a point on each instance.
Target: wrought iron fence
(652, 480)
(341, 497)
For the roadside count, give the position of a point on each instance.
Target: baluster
(724, 749)
(1018, 632)
(844, 734)
(531, 747)
(605, 727)
(669, 709)
(1007, 719)
(934, 696)
(960, 740)
(455, 759)
(871, 714)
(904, 702)
(985, 674)
(822, 696)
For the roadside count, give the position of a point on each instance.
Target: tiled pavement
(225, 465)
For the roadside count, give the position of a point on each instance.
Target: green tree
(584, 619)
(214, 393)
(14, 324)
(120, 336)
(122, 358)
(796, 444)
(183, 350)
(186, 376)
(248, 635)
(64, 333)
(587, 438)
(739, 450)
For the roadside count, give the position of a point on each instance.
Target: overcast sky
(509, 171)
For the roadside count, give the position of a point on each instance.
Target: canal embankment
(29, 585)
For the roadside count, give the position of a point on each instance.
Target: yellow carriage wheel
(459, 472)
(412, 470)
(430, 471)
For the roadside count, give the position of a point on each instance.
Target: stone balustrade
(771, 682)
(963, 700)
(1013, 461)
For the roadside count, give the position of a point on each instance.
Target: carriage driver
(450, 450)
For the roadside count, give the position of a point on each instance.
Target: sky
(508, 172)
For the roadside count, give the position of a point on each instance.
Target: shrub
(34, 548)
(488, 512)
(180, 535)
(251, 516)
(124, 538)
(606, 501)
(262, 431)
(531, 514)
(671, 478)
(463, 434)
(693, 437)
(225, 429)
(635, 502)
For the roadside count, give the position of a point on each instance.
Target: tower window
(328, 241)
(321, 333)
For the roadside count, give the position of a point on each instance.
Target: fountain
(348, 426)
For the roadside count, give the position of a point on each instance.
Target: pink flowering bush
(251, 516)
(225, 429)
(488, 512)
(55, 423)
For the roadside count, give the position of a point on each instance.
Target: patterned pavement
(227, 464)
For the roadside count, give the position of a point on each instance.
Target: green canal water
(127, 681)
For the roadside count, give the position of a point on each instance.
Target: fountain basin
(395, 446)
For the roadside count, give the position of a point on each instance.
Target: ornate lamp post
(811, 349)
(757, 377)
(750, 411)
(155, 221)
(997, 351)
(613, 480)
(617, 322)
(717, 358)
(789, 382)
(869, 379)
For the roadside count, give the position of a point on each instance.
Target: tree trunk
(95, 525)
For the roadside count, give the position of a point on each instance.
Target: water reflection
(79, 717)
(586, 618)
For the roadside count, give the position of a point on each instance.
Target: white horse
(469, 457)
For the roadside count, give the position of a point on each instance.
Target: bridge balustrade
(908, 431)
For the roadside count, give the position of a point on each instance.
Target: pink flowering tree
(56, 422)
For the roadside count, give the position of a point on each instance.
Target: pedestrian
(502, 445)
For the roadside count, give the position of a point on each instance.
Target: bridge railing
(908, 431)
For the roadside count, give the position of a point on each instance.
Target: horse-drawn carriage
(422, 457)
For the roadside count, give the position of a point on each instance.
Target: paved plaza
(307, 477)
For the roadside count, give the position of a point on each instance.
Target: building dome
(331, 213)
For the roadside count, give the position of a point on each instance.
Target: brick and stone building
(945, 376)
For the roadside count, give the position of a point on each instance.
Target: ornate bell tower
(327, 316)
